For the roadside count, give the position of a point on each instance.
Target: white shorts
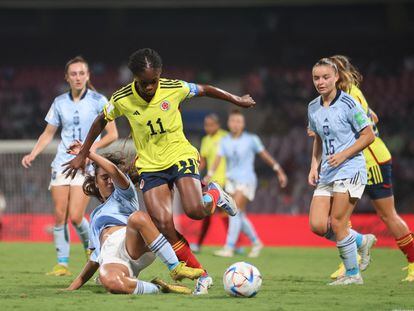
(344, 185)
(248, 190)
(113, 250)
(59, 179)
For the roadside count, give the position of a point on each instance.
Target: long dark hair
(79, 59)
(89, 185)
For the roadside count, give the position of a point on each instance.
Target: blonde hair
(348, 74)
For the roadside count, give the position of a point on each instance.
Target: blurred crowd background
(243, 46)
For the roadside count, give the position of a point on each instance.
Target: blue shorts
(184, 168)
(379, 182)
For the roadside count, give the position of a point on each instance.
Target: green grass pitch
(293, 279)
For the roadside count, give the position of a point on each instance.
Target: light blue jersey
(75, 118)
(113, 212)
(338, 126)
(240, 153)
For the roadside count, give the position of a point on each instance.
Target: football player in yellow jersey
(379, 168)
(208, 152)
(164, 156)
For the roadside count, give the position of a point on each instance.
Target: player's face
(147, 81)
(236, 123)
(77, 76)
(324, 79)
(104, 183)
(210, 126)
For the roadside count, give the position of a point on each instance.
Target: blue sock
(163, 249)
(83, 232)
(235, 225)
(358, 237)
(248, 229)
(145, 288)
(61, 238)
(348, 253)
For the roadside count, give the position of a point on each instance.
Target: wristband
(276, 167)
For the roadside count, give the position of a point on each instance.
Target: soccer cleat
(410, 275)
(59, 270)
(225, 201)
(88, 254)
(368, 241)
(224, 252)
(255, 251)
(181, 271)
(203, 284)
(171, 288)
(348, 280)
(341, 269)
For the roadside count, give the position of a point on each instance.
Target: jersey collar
(338, 93)
(82, 97)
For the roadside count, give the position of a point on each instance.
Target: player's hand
(74, 148)
(27, 160)
(313, 177)
(337, 159)
(245, 101)
(72, 167)
(283, 179)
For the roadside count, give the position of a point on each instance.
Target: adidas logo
(326, 120)
(136, 113)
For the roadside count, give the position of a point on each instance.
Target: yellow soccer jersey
(208, 150)
(376, 153)
(157, 127)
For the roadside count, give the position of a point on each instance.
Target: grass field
(293, 279)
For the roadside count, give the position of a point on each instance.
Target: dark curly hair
(142, 59)
(89, 185)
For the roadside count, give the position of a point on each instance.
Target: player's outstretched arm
(87, 272)
(117, 176)
(269, 160)
(44, 139)
(78, 162)
(245, 101)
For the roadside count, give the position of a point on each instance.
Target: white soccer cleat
(203, 284)
(255, 251)
(368, 241)
(225, 201)
(224, 252)
(348, 280)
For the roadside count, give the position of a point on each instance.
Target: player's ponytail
(348, 74)
(79, 59)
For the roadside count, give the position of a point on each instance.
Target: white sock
(235, 225)
(248, 229)
(163, 249)
(83, 232)
(145, 288)
(348, 253)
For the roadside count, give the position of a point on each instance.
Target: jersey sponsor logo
(165, 105)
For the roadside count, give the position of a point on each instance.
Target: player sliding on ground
(165, 158)
(123, 240)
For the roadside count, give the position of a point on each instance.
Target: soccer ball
(242, 280)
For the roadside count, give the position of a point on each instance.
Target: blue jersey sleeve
(53, 116)
(128, 193)
(357, 117)
(257, 144)
(101, 104)
(311, 122)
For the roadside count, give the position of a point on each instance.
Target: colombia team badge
(165, 105)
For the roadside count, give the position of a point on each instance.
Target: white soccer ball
(242, 279)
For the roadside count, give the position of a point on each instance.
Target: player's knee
(76, 220)
(138, 220)
(338, 224)
(113, 284)
(318, 228)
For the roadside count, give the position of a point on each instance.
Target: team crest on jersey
(141, 184)
(165, 105)
(326, 130)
